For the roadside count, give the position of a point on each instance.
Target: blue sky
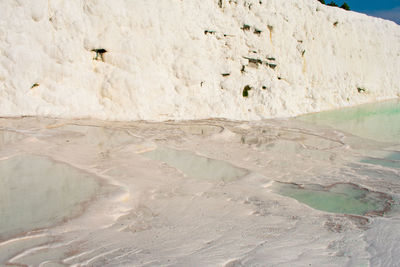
(388, 9)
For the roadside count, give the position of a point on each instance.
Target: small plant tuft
(257, 31)
(361, 90)
(246, 90)
(245, 27)
(345, 6)
(332, 3)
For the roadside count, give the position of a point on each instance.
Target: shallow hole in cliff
(345, 198)
(99, 53)
(36, 192)
(196, 166)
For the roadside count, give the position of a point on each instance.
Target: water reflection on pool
(36, 192)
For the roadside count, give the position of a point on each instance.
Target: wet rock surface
(201, 192)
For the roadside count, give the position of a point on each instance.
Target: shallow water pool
(196, 166)
(392, 160)
(337, 198)
(36, 192)
(377, 121)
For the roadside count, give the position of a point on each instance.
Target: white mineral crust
(165, 59)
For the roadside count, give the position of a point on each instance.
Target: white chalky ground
(204, 193)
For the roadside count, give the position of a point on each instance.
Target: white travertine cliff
(175, 59)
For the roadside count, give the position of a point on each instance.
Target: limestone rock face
(171, 59)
